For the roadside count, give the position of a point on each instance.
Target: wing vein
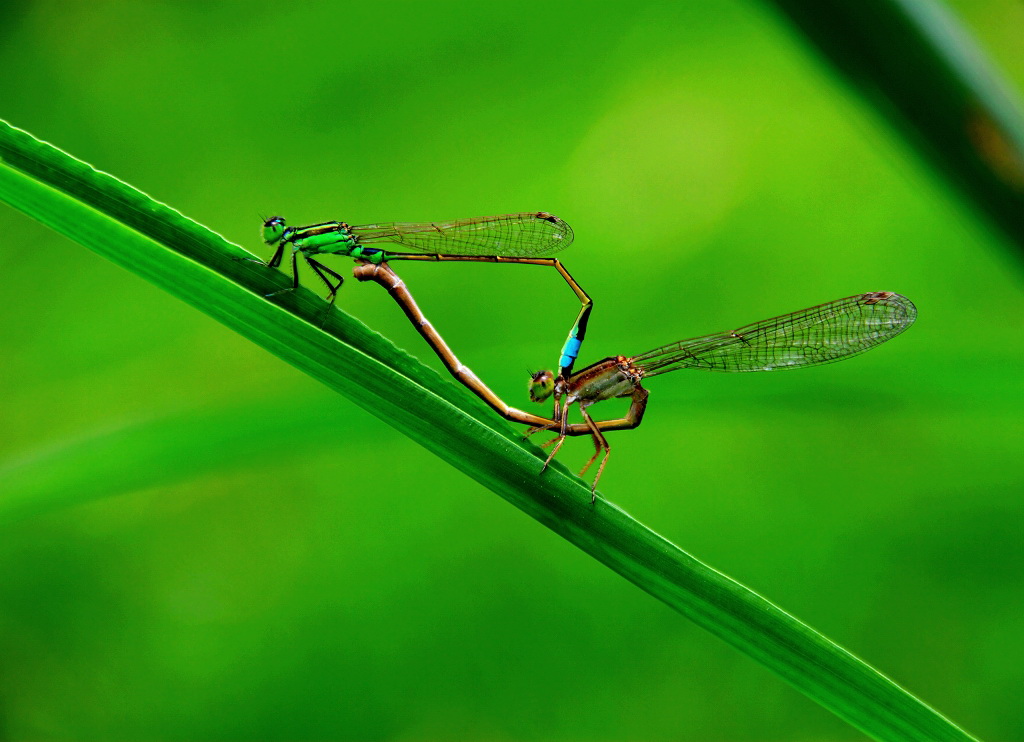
(821, 334)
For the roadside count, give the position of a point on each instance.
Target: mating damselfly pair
(821, 334)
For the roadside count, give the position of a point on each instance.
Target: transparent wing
(525, 235)
(822, 334)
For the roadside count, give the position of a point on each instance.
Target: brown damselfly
(808, 337)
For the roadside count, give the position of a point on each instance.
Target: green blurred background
(210, 545)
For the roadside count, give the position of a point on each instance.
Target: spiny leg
(599, 442)
(320, 269)
(560, 439)
(275, 260)
(272, 263)
(295, 276)
(538, 429)
(597, 452)
(332, 289)
(554, 421)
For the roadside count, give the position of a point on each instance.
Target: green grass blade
(194, 264)
(178, 233)
(922, 69)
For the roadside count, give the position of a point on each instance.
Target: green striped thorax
(334, 238)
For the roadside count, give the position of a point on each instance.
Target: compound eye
(273, 230)
(541, 385)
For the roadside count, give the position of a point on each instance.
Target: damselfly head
(273, 230)
(542, 384)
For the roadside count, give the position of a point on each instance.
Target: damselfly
(821, 334)
(525, 238)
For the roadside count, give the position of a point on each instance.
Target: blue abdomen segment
(570, 350)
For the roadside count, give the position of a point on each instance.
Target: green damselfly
(525, 238)
(821, 334)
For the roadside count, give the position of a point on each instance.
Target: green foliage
(279, 564)
(917, 64)
(824, 671)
